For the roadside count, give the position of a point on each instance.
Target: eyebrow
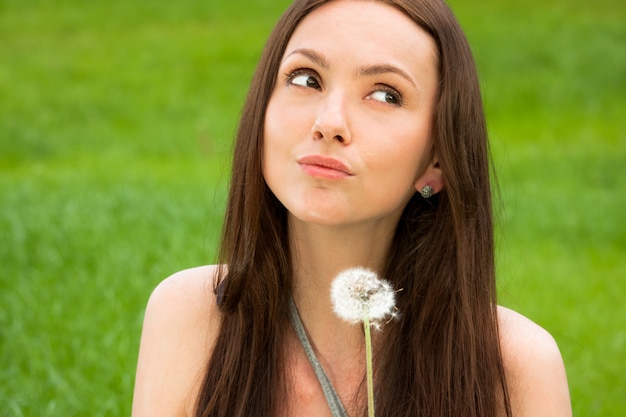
(365, 71)
(373, 70)
(314, 56)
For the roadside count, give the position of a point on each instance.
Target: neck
(319, 254)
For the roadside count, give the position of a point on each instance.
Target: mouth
(324, 167)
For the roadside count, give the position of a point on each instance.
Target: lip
(324, 167)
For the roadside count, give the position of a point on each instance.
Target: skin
(369, 108)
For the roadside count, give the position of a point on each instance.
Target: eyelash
(291, 75)
(390, 90)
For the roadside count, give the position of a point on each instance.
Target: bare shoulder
(187, 289)
(179, 329)
(534, 368)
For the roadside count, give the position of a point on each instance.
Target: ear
(432, 176)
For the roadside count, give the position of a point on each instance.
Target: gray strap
(334, 403)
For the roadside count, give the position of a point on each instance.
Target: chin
(317, 217)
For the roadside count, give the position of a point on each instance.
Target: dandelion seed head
(358, 294)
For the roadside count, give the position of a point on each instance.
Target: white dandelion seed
(358, 294)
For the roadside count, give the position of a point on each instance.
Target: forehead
(353, 29)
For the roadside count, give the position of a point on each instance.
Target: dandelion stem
(368, 364)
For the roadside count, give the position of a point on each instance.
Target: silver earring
(426, 191)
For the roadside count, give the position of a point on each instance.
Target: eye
(304, 78)
(387, 95)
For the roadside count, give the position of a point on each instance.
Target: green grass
(115, 126)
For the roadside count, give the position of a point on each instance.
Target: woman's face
(348, 125)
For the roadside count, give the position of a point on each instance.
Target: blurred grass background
(115, 126)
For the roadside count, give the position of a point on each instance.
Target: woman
(362, 143)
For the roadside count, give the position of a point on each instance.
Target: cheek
(272, 137)
(283, 112)
(277, 143)
(283, 125)
(404, 155)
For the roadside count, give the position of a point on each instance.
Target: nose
(332, 123)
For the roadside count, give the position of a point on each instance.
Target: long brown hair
(442, 358)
